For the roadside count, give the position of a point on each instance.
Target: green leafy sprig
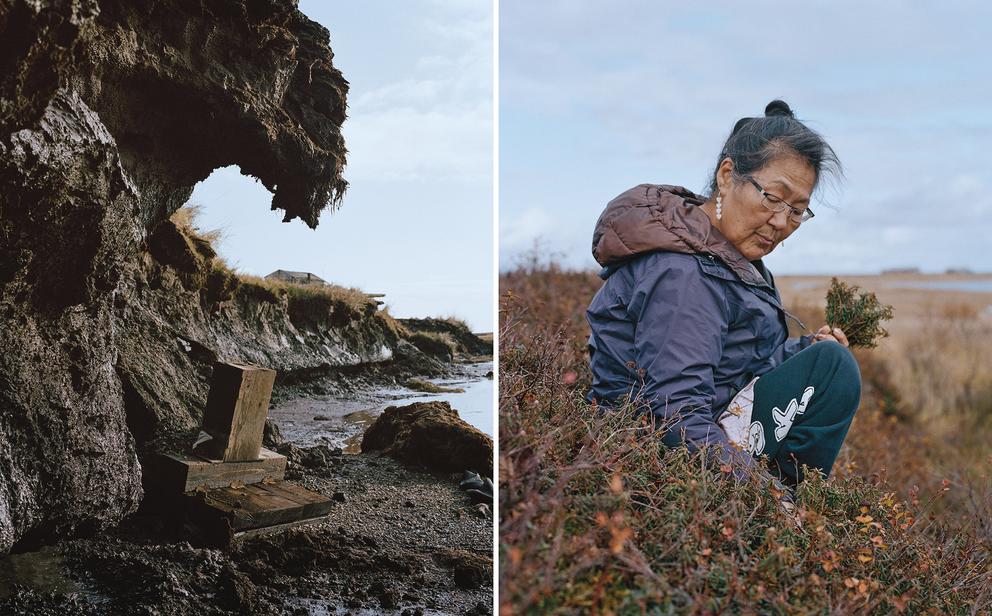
(858, 314)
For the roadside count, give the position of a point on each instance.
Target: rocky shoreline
(398, 540)
(335, 409)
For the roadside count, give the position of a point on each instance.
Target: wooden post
(237, 405)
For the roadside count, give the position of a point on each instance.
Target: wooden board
(290, 491)
(258, 505)
(237, 405)
(178, 473)
(251, 533)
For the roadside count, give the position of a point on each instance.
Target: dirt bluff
(110, 113)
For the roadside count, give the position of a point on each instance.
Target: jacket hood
(652, 217)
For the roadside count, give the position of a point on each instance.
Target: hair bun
(778, 108)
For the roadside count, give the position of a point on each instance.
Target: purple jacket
(683, 320)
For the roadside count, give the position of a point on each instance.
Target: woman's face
(751, 227)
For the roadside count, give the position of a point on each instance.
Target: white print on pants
(783, 420)
(750, 435)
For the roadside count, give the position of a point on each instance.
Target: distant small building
(296, 277)
(901, 270)
(959, 270)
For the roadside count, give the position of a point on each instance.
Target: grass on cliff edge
(306, 302)
(597, 518)
(355, 299)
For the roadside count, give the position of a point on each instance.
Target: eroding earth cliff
(110, 113)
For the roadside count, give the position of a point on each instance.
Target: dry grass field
(939, 352)
(595, 517)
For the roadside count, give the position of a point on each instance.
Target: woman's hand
(828, 333)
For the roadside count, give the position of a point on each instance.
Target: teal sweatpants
(804, 408)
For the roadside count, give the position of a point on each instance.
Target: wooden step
(257, 505)
(175, 473)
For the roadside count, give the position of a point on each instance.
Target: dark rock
(339, 497)
(272, 437)
(471, 481)
(292, 452)
(93, 158)
(478, 496)
(408, 503)
(430, 434)
(388, 598)
(479, 489)
(470, 570)
(479, 609)
(316, 457)
(238, 592)
(68, 230)
(319, 456)
(321, 418)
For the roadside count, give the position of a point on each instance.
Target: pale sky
(416, 222)
(597, 97)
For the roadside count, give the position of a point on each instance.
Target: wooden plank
(248, 509)
(249, 420)
(313, 503)
(176, 473)
(234, 417)
(250, 499)
(251, 533)
(257, 505)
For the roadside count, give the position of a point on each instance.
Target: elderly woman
(689, 322)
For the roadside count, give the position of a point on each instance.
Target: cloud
(521, 231)
(640, 91)
(435, 123)
(404, 143)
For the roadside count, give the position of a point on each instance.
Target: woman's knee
(845, 375)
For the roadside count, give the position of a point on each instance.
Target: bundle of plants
(859, 314)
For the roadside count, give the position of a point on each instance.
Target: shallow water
(982, 285)
(44, 571)
(974, 286)
(475, 405)
(339, 421)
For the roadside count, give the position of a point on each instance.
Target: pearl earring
(719, 207)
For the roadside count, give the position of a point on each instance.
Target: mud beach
(397, 540)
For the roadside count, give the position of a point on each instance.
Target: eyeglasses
(777, 204)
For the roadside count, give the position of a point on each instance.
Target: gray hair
(755, 142)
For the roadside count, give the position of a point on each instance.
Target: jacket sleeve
(681, 318)
(792, 346)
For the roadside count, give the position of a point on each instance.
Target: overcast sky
(416, 223)
(597, 97)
